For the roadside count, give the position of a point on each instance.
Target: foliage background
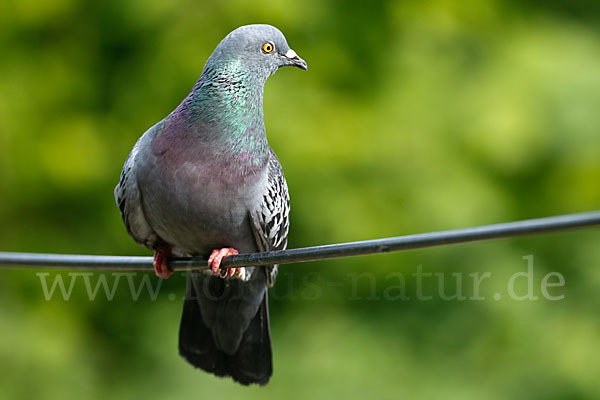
(414, 116)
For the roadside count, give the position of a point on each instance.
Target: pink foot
(214, 262)
(161, 262)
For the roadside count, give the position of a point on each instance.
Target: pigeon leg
(161, 262)
(214, 262)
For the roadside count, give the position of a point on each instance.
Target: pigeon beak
(293, 59)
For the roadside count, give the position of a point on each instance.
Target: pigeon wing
(128, 198)
(270, 220)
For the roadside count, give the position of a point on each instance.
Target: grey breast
(196, 210)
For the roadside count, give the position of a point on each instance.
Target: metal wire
(399, 243)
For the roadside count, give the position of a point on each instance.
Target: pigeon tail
(247, 363)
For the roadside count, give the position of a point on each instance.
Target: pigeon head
(256, 50)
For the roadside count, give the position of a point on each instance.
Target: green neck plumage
(228, 104)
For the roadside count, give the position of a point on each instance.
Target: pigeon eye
(267, 47)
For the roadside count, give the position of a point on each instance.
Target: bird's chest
(203, 204)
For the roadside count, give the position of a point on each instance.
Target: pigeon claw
(161, 262)
(214, 262)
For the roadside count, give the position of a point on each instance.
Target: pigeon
(204, 182)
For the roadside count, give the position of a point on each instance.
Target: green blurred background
(413, 117)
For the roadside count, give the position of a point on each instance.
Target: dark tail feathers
(251, 363)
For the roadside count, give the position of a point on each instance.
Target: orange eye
(267, 47)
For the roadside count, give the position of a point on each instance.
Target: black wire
(399, 243)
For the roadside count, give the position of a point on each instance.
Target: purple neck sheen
(223, 113)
